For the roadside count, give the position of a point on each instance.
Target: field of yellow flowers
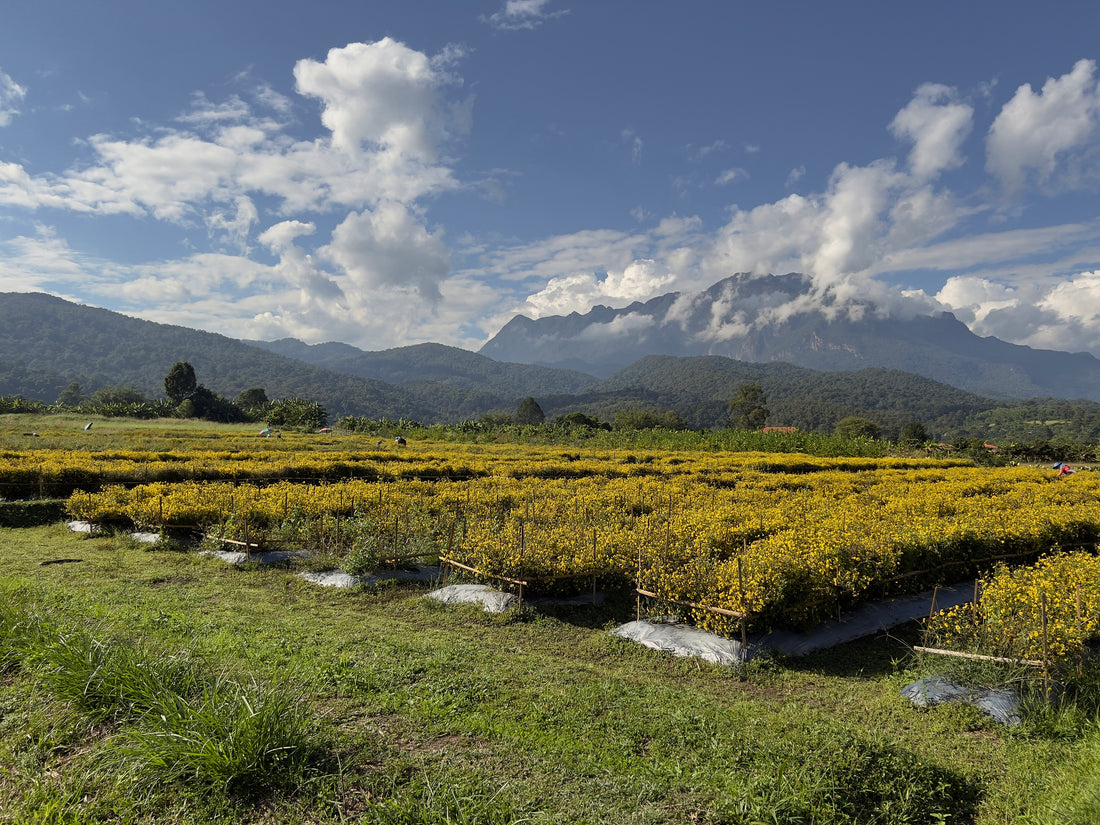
(782, 538)
(1045, 612)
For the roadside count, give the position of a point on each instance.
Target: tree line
(186, 398)
(748, 409)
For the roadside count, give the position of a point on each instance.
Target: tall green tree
(637, 418)
(252, 398)
(529, 412)
(913, 432)
(853, 426)
(748, 410)
(180, 382)
(579, 419)
(297, 412)
(72, 396)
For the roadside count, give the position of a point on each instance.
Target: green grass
(170, 719)
(143, 685)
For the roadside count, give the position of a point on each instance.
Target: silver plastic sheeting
(84, 527)
(332, 578)
(866, 620)
(493, 601)
(683, 640)
(338, 578)
(1001, 705)
(238, 557)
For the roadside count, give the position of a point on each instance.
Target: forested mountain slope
(44, 335)
(46, 343)
(437, 363)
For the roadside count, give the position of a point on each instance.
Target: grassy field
(146, 684)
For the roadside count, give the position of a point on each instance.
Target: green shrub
(31, 513)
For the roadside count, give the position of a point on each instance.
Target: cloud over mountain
(767, 318)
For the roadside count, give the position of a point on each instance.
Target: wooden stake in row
(1044, 663)
(741, 615)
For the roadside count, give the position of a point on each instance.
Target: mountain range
(671, 353)
(763, 319)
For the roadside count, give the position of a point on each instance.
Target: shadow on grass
(870, 657)
(611, 607)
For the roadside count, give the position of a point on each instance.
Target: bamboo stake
(732, 613)
(741, 595)
(593, 565)
(522, 553)
(931, 611)
(981, 657)
(1046, 654)
(1078, 608)
(453, 563)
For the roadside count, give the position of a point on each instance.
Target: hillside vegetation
(46, 344)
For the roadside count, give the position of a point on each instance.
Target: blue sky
(387, 173)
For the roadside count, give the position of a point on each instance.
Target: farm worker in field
(266, 432)
(1063, 469)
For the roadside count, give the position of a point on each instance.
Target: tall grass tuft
(20, 630)
(243, 738)
(176, 722)
(112, 679)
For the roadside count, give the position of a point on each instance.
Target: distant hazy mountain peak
(766, 318)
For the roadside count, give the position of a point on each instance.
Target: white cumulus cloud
(1051, 137)
(380, 94)
(580, 291)
(937, 124)
(388, 247)
(280, 236)
(1065, 316)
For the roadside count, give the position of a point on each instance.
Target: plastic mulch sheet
(493, 601)
(332, 578)
(1002, 705)
(683, 640)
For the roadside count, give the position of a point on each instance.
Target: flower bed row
(784, 547)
